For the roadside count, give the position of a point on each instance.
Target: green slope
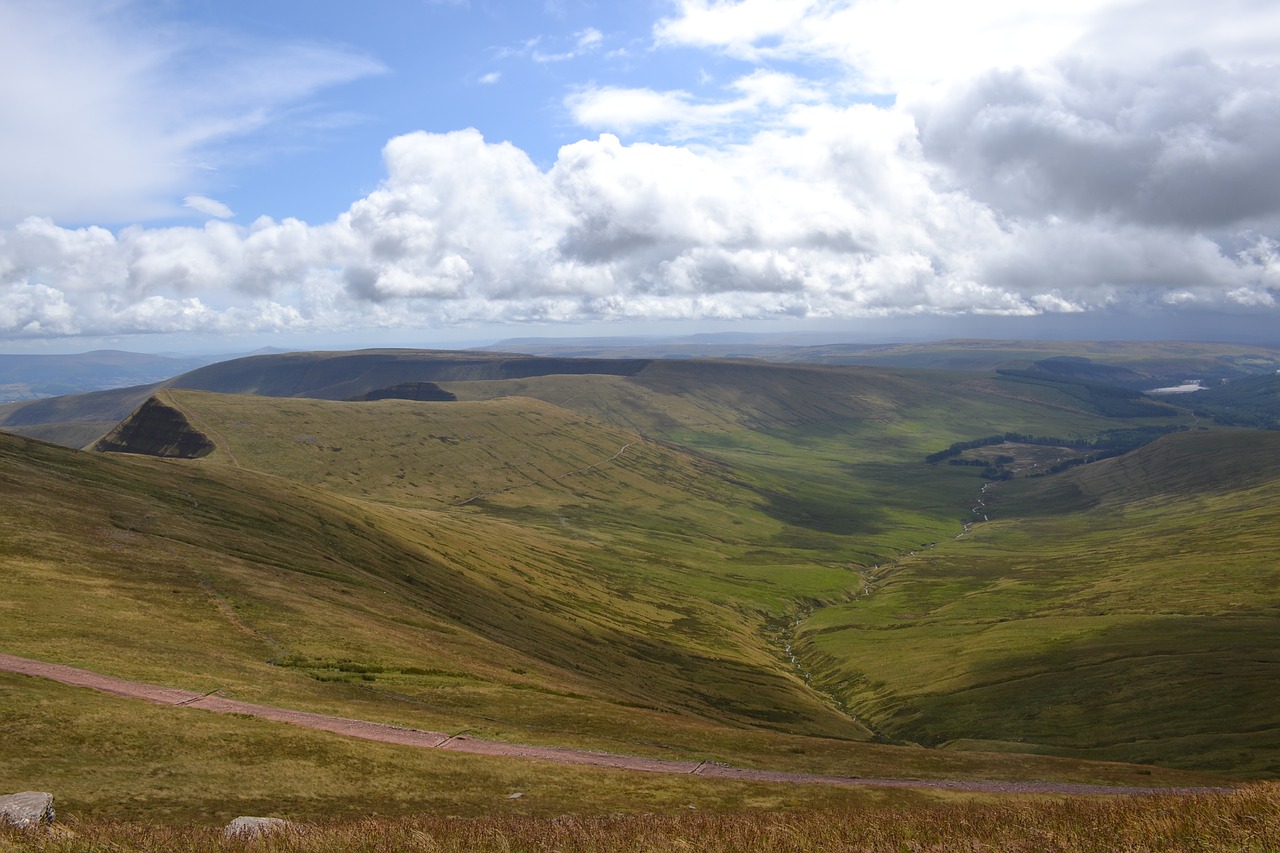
(457, 609)
(835, 451)
(616, 558)
(201, 575)
(1124, 610)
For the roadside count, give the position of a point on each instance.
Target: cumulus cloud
(1155, 111)
(1020, 175)
(890, 46)
(839, 215)
(1187, 142)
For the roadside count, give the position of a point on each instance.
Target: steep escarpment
(156, 429)
(344, 375)
(420, 392)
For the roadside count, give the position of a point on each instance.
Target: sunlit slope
(1124, 610)
(156, 569)
(510, 451)
(613, 507)
(704, 398)
(205, 576)
(598, 522)
(834, 451)
(601, 553)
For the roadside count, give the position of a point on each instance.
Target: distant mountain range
(33, 377)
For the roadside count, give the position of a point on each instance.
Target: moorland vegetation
(735, 561)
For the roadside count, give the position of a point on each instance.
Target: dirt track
(439, 740)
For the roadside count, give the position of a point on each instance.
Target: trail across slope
(554, 479)
(562, 755)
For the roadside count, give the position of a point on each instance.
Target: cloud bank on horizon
(823, 159)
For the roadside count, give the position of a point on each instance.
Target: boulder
(27, 809)
(253, 827)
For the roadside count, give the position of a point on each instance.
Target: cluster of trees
(1012, 437)
(1250, 402)
(1112, 442)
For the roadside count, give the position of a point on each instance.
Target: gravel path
(562, 755)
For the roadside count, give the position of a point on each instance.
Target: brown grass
(1248, 819)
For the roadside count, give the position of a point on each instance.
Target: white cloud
(586, 42)
(1020, 171)
(761, 96)
(837, 215)
(1156, 111)
(208, 206)
(105, 119)
(1186, 143)
(491, 78)
(890, 46)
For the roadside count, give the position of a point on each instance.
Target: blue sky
(204, 175)
(501, 68)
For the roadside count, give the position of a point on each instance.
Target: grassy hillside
(467, 613)
(1125, 609)
(619, 559)
(834, 451)
(202, 575)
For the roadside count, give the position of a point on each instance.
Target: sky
(203, 174)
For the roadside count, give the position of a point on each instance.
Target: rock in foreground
(253, 827)
(27, 809)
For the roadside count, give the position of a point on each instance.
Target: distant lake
(1185, 388)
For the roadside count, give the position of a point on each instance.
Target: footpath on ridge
(563, 755)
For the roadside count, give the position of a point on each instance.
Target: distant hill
(1132, 364)
(1080, 372)
(75, 420)
(28, 377)
(78, 420)
(344, 375)
(421, 392)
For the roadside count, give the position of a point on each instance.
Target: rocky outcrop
(156, 429)
(249, 828)
(26, 810)
(422, 392)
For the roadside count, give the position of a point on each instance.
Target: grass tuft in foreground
(1248, 819)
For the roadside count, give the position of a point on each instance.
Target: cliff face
(422, 392)
(156, 429)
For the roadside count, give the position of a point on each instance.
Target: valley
(730, 561)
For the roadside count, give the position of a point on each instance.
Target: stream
(784, 633)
